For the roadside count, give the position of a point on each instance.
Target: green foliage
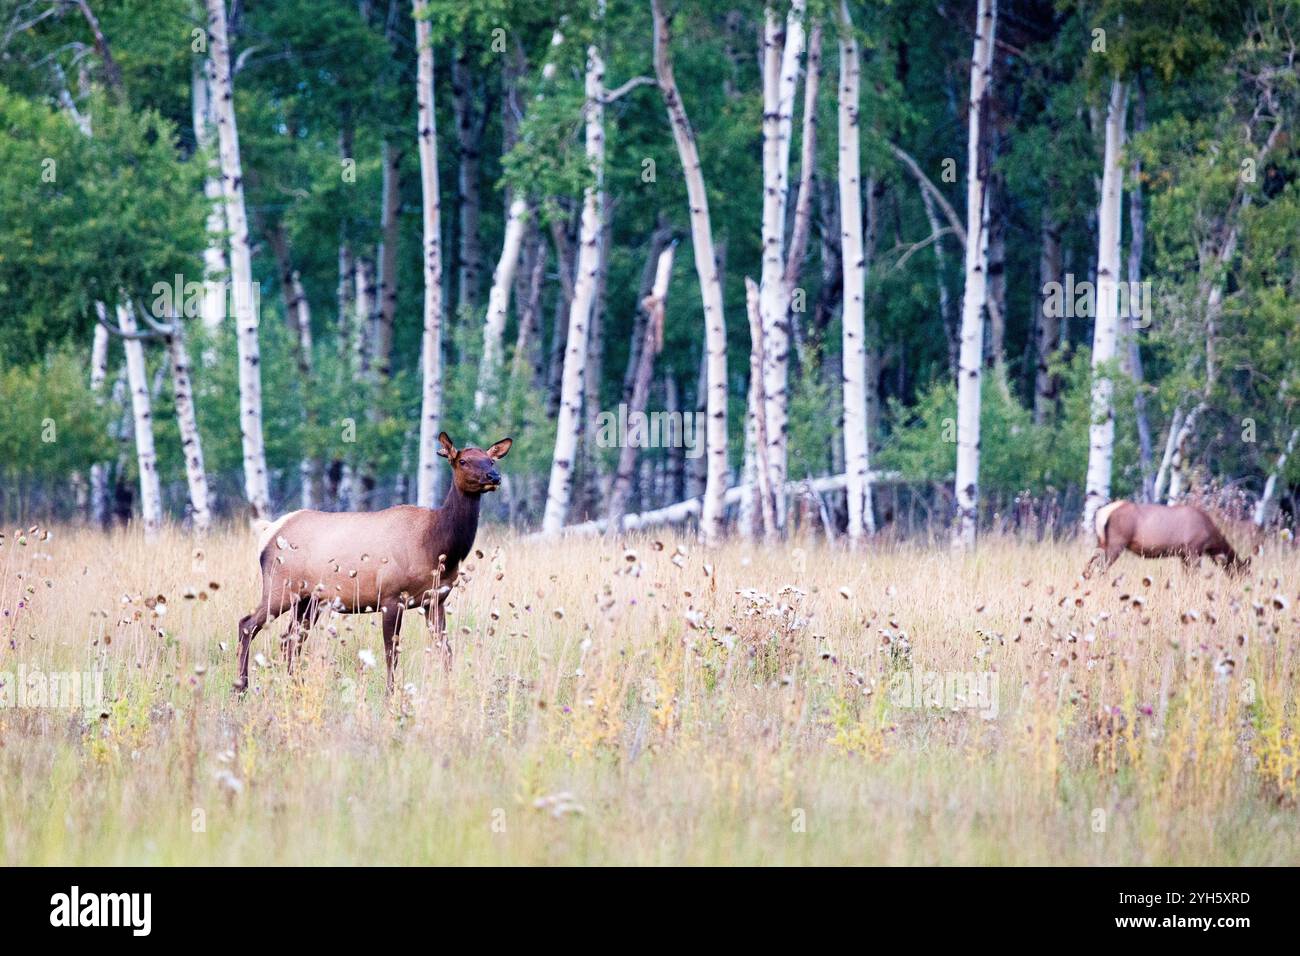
(86, 218)
(51, 425)
(124, 209)
(1171, 37)
(1015, 454)
(514, 408)
(814, 425)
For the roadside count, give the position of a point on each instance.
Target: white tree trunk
(780, 78)
(196, 476)
(431, 346)
(1175, 463)
(246, 298)
(142, 415)
(1101, 430)
(569, 425)
(652, 341)
(503, 279)
(215, 266)
(1171, 439)
(99, 471)
(853, 263)
(971, 358)
(787, 88)
(756, 463)
(1265, 506)
(706, 267)
(807, 167)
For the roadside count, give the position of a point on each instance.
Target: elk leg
(304, 616)
(309, 621)
(1106, 557)
(392, 637)
(1097, 555)
(249, 625)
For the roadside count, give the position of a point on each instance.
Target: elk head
(474, 470)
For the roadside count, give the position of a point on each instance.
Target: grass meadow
(643, 701)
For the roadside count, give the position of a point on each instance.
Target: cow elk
(1161, 531)
(388, 561)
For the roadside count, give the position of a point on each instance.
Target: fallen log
(684, 510)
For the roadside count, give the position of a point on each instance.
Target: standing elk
(1160, 531)
(386, 561)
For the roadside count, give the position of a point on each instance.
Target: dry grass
(612, 707)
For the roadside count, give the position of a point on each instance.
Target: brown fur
(386, 561)
(1161, 531)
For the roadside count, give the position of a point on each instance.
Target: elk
(388, 561)
(1160, 531)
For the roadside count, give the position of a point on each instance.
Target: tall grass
(645, 701)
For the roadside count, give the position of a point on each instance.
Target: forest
(922, 266)
(659, 432)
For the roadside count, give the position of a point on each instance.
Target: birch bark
(1266, 505)
(215, 265)
(99, 470)
(196, 476)
(652, 335)
(569, 423)
(757, 464)
(1101, 430)
(854, 371)
(706, 266)
(780, 79)
(146, 457)
(431, 340)
(503, 278)
(970, 360)
(256, 485)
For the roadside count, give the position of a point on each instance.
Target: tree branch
(612, 95)
(949, 213)
(141, 334)
(916, 247)
(112, 74)
(156, 330)
(242, 60)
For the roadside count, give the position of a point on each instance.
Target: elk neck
(455, 525)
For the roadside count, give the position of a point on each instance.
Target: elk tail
(1103, 516)
(266, 532)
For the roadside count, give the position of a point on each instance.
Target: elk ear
(500, 449)
(446, 449)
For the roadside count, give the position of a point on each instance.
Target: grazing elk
(1160, 531)
(388, 561)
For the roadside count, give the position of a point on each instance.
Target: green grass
(635, 708)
